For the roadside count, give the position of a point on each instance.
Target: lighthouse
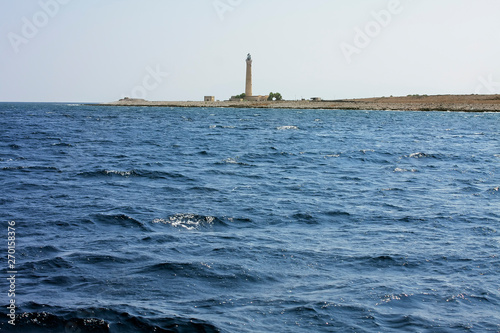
(248, 85)
(248, 96)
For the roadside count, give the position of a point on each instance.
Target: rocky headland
(463, 103)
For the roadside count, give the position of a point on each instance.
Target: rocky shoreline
(460, 103)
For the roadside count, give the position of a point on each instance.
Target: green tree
(274, 97)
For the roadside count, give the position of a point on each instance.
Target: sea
(132, 219)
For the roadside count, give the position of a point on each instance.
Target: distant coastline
(460, 103)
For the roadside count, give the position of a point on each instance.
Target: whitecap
(419, 155)
(187, 221)
(231, 160)
(404, 170)
(221, 126)
(283, 128)
(118, 173)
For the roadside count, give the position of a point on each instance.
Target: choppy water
(246, 220)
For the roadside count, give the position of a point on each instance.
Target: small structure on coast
(248, 95)
(132, 100)
(209, 98)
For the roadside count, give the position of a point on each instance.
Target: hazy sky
(103, 50)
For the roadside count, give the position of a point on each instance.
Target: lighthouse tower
(248, 86)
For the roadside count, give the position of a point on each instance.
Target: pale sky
(103, 50)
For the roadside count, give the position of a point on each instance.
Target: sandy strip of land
(464, 103)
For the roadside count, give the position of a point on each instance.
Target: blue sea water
(250, 220)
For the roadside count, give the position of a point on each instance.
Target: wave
(305, 218)
(13, 159)
(320, 217)
(422, 155)
(382, 261)
(235, 161)
(209, 272)
(31, 168)
(222, 126)
(402, 322)
(204, 189)
(200, 222)
(100, 320)
(332, 156)
(62, 144)
(119, 220)
(284, 128)
(33, 251)
(190, 221)
(494, 191)
(132, 173)
(47, 265)
(269, 157)
(483, 231)
(337, 213)
(405, 170)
